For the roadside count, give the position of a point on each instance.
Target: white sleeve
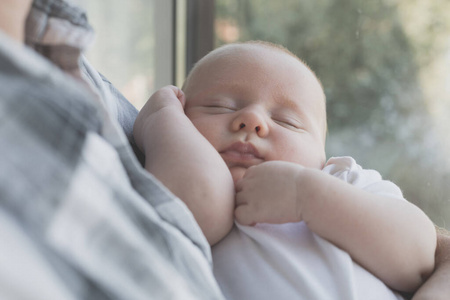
(347, 169)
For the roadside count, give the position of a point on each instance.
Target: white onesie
(288, 261)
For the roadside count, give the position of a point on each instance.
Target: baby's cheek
(208, 131)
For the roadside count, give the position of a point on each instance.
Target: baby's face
(257, 104)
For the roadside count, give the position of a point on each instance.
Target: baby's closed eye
(219, 109)
(289, 123)
(220, 105)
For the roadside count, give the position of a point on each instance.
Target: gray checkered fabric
(79, 217)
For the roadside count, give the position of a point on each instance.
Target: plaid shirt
(79, 217)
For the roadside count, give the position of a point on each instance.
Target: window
(384, 65)
(130, 36)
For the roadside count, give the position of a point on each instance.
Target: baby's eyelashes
(290, 124)
(219, 108)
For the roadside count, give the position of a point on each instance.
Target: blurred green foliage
(372, 57)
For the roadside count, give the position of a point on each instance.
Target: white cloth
(288, 261)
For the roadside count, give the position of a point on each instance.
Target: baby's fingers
(179, 94)
(243, 215)
(239, 185)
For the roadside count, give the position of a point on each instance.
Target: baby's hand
(268, 194)
(166, 97)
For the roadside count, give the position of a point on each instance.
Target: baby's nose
(257, 128)
(251, 121)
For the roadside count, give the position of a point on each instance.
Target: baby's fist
(268, 194)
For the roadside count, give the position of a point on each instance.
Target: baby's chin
(237, 173)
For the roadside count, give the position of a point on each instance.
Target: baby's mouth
(241, 155)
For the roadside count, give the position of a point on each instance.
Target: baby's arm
(391, 238)
(181, 158)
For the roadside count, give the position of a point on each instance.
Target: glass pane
(124, 47)
(384, 66)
